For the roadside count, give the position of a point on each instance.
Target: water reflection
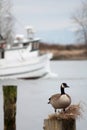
(9, 97)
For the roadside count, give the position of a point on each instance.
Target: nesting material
(72, 112)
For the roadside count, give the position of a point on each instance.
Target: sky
(50, 19)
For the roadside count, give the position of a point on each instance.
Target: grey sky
(45, 15)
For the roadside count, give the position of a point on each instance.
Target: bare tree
(6, 20)
(80, 19)
(1, 16)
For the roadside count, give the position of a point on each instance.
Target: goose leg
(63, 109)
(55, 110)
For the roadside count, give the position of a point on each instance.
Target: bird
(60, 100)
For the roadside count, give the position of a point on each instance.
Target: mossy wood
(9, 96)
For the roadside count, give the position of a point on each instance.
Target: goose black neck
(62, 91)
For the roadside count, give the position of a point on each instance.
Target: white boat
(23, 59)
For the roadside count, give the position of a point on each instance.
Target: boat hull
(25, 69)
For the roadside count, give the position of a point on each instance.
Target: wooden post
(59, 124)
(9, 96)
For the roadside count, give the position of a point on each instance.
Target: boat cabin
(24, 43)
(20, 46)
(30, 41)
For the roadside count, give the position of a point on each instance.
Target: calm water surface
(32, 95)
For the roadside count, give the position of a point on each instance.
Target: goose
(60, 100)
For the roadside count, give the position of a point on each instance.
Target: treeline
(65, 52)
(47, 46)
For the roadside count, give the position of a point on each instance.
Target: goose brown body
(60, 101)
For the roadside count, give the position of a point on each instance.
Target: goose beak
(67, 86)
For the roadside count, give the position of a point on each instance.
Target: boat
(22, 59)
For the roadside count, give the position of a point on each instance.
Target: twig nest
(72, 112)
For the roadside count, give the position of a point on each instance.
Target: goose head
(62, 87)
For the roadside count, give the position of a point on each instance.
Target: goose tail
(49, 100)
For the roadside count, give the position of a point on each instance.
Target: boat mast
(30, 33)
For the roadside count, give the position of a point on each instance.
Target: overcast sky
(45, 15)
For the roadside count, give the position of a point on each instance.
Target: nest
(72, 112)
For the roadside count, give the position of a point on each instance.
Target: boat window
(35, 46)
(15, 45)
(25, 44)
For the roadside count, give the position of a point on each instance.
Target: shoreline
(70, 55)
(68, 52)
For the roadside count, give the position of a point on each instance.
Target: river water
(32, 95)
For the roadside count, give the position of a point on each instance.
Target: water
(32, 95)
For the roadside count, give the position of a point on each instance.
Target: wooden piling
(10, 97)
(59, 124)
(63, 120)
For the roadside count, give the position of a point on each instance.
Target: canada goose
(62, 100)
